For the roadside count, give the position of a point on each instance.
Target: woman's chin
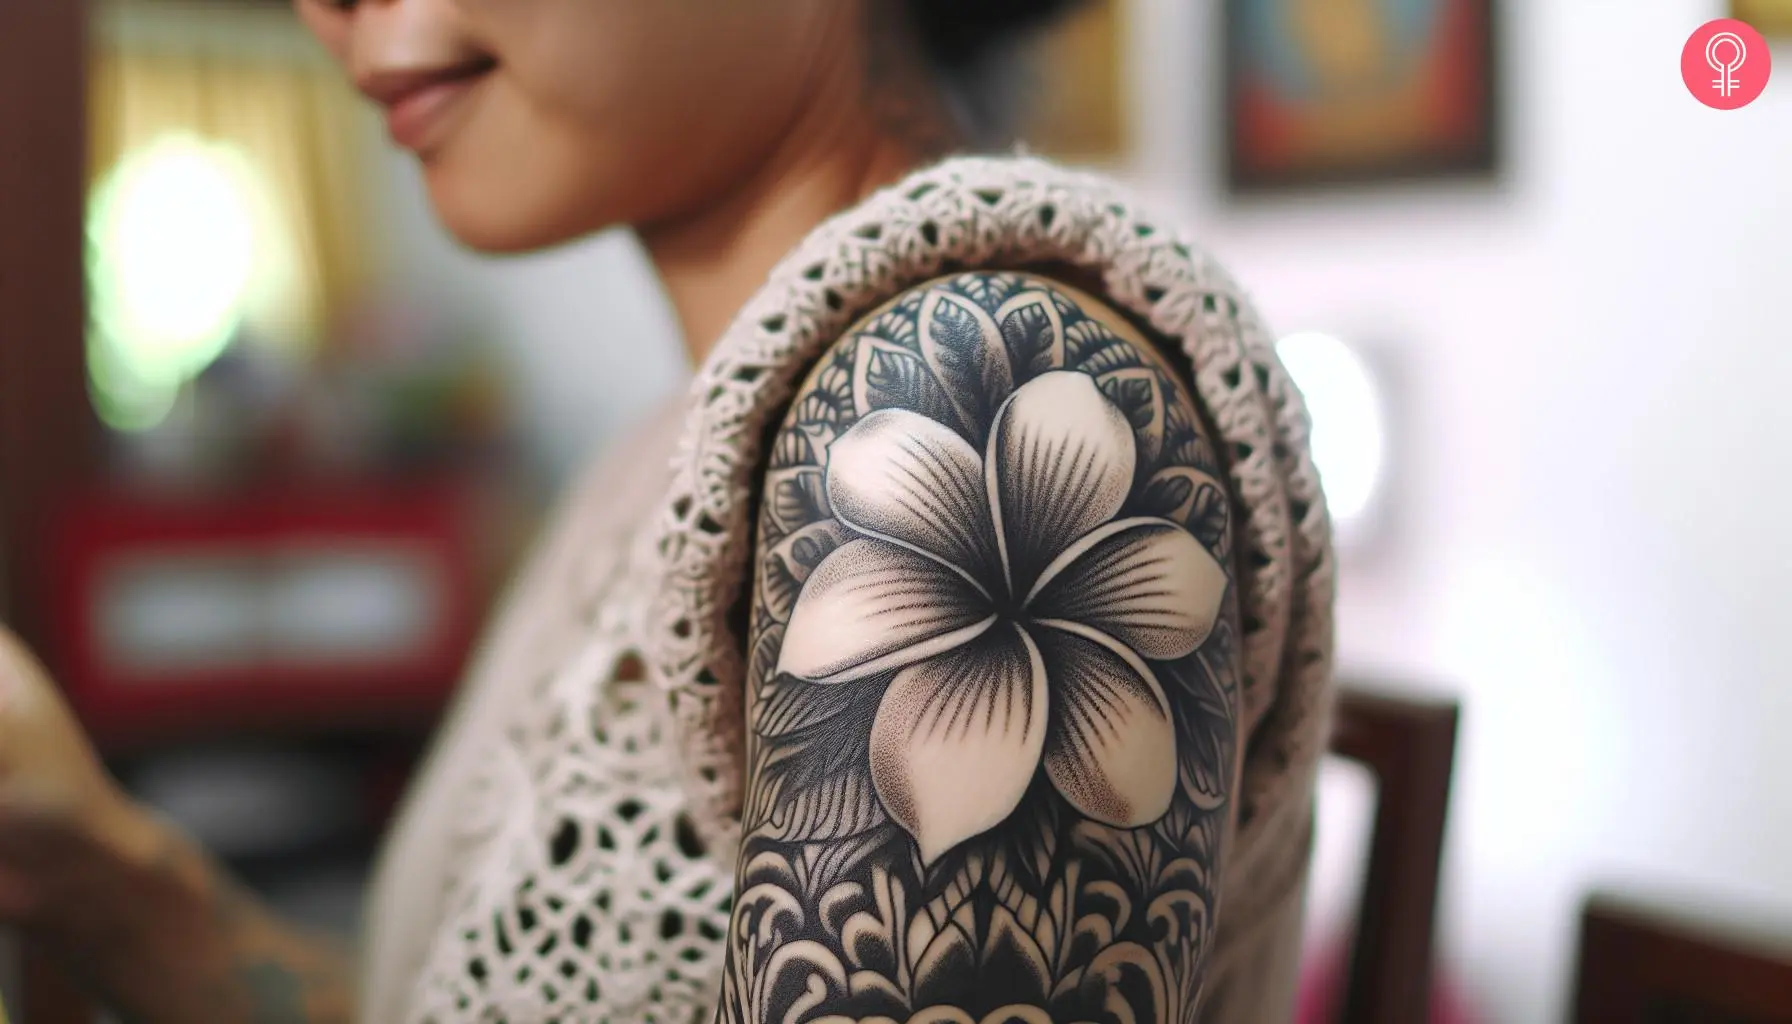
(501, 217)
(500, 232)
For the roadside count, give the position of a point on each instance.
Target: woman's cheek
(569, 186)
(330, 27)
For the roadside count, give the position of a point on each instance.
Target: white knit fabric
(587, 876)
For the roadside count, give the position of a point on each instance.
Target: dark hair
(958, 34)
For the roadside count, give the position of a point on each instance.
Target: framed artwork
(1768, 17)
(1322, 92)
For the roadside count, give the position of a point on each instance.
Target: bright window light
(173, 245)
(1349, 445)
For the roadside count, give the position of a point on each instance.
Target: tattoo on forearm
(228, 960)
(993, 676)
(274, 976)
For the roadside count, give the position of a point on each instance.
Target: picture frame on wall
(1768, 17)
(1335, 92)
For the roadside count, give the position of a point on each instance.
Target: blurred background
(269, 442)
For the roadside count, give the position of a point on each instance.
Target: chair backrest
(1409, 745)
(1639, 965)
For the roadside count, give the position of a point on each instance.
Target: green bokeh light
(172, 254)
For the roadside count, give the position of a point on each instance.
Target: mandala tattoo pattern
(993, 684)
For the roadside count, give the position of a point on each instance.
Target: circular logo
(1726, 64)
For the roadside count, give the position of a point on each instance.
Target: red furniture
(281, 609)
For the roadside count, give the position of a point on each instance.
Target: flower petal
(837, 806)
(964, 349)
(870, 607)
(1145, 582)
(1013, 963)
(790, 561)
(1139, 393)
(886, 375)
(946, 969)
(762, 660)
(1060, 464)
(793, 498)
(1206, 735)
(1191, 498)
(976, 713)
(1111, 750)
(905, 478)
(787, 705)
(1033, 330)
(813, 777)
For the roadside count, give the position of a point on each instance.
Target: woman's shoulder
(981, 240)
(1008, 220)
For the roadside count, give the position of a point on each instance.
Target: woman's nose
(405, 37)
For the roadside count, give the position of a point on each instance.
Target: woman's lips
(421, 106)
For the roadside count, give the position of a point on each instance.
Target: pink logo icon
(1726, 64)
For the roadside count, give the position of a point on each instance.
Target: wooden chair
(1642, 966)
(1410, 747)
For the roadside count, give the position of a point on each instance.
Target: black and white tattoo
(993, 678)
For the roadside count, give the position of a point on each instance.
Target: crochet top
(567, 852)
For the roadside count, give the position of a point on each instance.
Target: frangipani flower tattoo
(993, 675)
(1015, 604)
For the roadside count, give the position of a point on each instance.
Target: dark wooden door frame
(48, 437)
(47, 431)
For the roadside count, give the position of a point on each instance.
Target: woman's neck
(872, 114)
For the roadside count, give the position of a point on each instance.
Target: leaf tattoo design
(992, 692)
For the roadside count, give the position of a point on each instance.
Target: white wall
(590, 338)
(1594, 549)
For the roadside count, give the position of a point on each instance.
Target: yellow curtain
(289, 115)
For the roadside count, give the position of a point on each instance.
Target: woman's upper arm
(991, 706)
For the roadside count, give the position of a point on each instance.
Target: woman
(983, 617)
